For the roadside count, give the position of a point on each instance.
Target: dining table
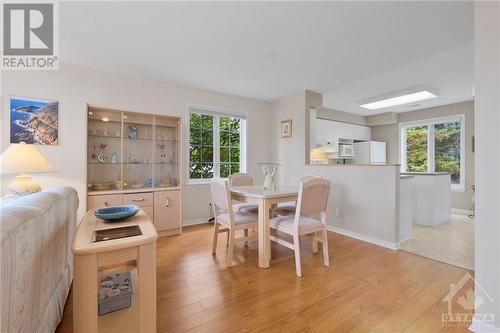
(265, 199)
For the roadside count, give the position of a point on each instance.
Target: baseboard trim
(187, 223)
(460, 211)
(398, 244)
(364, 238)
(479, 326)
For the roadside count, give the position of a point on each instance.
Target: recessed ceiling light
(105, 119)
(403, 97)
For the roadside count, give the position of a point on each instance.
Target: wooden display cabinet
(134, 158)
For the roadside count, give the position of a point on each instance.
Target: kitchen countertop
(426, 173)
(353, 165)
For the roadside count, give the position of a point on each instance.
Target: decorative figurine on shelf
(101, 157)
(148, 182)
(269, 170)
(132, 132)
(114, 158)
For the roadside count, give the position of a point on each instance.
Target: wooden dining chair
(242, 179)
(312, 201)
(288, 208)
(226, 217)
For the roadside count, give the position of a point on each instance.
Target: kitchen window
(435, 145)
(216, 145)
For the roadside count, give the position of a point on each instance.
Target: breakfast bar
(431, 197)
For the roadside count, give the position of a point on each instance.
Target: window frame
(216, 113)
(431, 158)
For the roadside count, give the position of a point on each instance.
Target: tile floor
(451, 242)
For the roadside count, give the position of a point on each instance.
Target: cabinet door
(320, 132)
(330, 132)
(149, 210)
(367, 133)
(342, 131)
(99, 201)
(167, 210)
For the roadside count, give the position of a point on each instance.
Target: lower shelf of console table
(162, 206)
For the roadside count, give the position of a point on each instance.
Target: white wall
(290, 152)
(367, 198)
(487, 114)
(75, 86)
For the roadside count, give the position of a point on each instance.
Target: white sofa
(36, 260)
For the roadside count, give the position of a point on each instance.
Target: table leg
(264, 241)
(85, 293)
(146, 267)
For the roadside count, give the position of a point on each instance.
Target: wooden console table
(136, 254)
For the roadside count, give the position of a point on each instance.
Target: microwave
(346, 149)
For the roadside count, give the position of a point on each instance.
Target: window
(216, 145)
(435, 145)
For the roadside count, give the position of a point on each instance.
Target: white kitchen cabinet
(362, 133)
(324, 131)
(329, 131)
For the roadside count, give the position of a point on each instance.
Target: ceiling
(268, 50)
(448, 73)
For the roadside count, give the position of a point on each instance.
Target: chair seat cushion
(240, 218)
(286, 224)
(246, 208)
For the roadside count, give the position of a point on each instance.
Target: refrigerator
(370, 152)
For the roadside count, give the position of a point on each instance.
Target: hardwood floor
(366, 289)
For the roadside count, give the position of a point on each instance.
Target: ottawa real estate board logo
(29, 36)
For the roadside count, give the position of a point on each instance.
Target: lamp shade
(23, 158)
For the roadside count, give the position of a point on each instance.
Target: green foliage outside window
(446, 149)
(416, 149)
(201, 149)
(201, 161)
(229, 146)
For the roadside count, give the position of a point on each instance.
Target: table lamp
(23, 159)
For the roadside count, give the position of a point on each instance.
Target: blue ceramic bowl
(116, 213)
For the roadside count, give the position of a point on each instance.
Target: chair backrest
(240, 179)
(221, 199)
(313, 198)
(309, 177)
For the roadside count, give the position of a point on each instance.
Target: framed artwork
(34, 121)
(286, 128)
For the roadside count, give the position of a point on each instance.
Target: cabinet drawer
(139, 199)
(167, 210)
(99, 201)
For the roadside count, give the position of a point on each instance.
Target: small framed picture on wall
(286, 128)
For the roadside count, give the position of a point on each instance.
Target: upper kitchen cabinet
(325, 132)
(329, 131)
